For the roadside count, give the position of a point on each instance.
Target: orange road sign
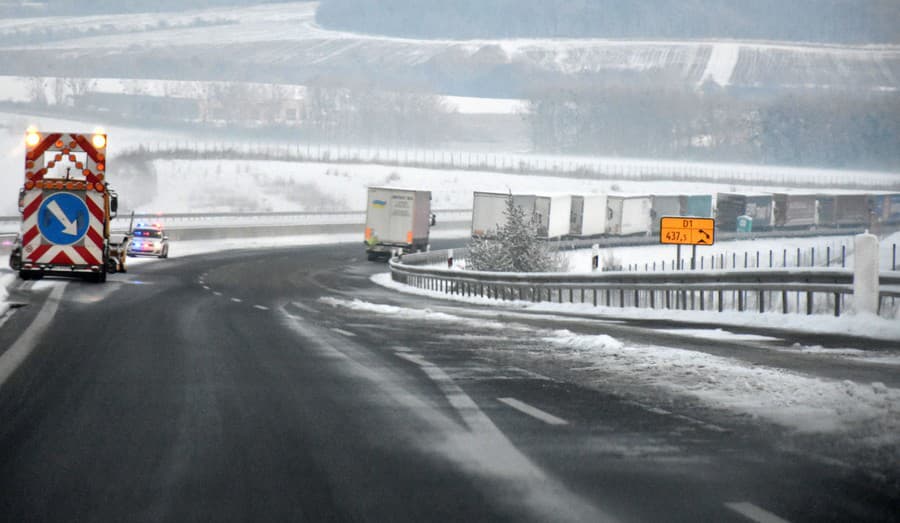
(686, 230)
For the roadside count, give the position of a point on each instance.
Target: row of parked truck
(565, 215)
(400, 219)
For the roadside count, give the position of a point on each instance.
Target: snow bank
(800, 402)
(803, 403)
(6, 279)
(858, 325)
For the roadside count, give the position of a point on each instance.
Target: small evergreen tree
(513, 247)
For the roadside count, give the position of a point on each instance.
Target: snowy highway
(285, 385)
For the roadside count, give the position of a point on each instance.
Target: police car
(148, 240)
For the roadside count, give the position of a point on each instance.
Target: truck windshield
(147, 233)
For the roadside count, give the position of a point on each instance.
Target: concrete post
(865, 274)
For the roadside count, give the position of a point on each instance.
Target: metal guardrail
(809, 291)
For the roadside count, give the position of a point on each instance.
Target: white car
(148, 240)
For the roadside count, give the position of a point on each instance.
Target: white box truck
(627, 215)
(588, 215)
(489, 211)
(554, 214)
(551, 212)
(397, 219)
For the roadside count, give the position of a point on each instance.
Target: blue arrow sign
(63, 218)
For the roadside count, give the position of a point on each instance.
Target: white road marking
(754, 513)
(206, 287)
(534, 412)
(703, 424)
(217, 293)
(236, 300)
(303, 307)
(261, 307)
(22, 347)
(342, 331)
(663, 412)
(464, 405)
(5, 317)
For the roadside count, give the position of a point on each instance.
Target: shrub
(513, 247)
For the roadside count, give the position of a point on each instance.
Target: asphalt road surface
(233, 387)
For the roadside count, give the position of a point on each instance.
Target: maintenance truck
(397, 220)
(66, 208)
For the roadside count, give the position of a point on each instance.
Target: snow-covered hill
(285, 37)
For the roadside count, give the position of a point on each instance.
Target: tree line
(808, 127)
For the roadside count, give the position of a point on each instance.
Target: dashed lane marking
(236, 300)
(534, 412)
(342, 331)
(261, 307)
(4, 318)
(754, 513)
(217, 293)
(693, 421)
(206, 287)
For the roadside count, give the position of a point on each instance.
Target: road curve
(239, 386)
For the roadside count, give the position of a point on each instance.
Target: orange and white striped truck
(66, 208)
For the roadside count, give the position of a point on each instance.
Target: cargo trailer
(851, 210)
(554, 214)
(699, 205)
(489, 211)
(794, 210)
(729, 206)
(662, 205)
(588, 215)
(396, 220)
(627, 215)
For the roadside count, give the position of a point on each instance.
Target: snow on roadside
(859, 325)
(803, 403)
(789, 399)
(5, 281)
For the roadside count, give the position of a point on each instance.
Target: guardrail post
(595, 296)
(837, 304)
(668, 299)
(809, 303)
(865, 274)
(784, 302)
(721, 300)
(637, 298)
(762, 302)
(652, 299)
(621, 297)
(740, 301)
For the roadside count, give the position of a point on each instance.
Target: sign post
(687, 230)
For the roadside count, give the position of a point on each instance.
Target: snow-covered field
(287, 34)
(259, 186)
